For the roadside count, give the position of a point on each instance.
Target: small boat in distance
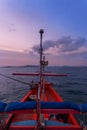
(41, 108)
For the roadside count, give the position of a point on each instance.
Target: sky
(65, 32)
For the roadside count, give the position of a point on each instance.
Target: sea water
(71, 88)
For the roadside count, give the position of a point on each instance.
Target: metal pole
(41, 53)
(43, 81)
(40, 84)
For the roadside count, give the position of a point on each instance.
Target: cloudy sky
(65, 31)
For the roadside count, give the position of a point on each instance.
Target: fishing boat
(41, 108)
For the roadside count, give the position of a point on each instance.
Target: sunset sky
(65, 31)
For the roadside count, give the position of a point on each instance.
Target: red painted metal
(9, 118)
(64, 128)
(47, 128)
(26, 74)
(37, 74)
(53, 74)
(21, 128)
(54, 93)
(47, 111)
(60, 111)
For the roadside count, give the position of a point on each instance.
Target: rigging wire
(17, 80)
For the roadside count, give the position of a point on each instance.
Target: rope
(15, 79)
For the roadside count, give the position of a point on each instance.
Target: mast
(40, 83)
(41, 53)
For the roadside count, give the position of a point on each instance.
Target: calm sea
(71, 88)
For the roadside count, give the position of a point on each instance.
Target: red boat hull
(23, 116)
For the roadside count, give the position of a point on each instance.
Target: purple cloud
(64, 44)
